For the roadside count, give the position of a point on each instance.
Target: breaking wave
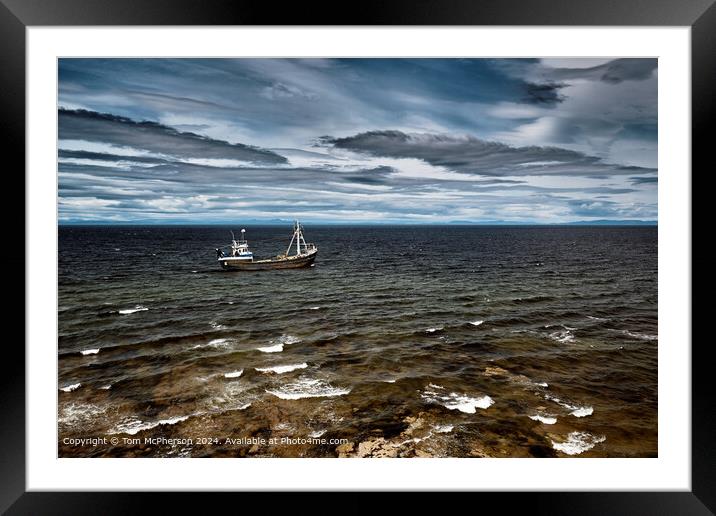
(307, 388)
(133, 425)
(578, 442)
(455, 401)
(138, 308)
(70, 388)
(282, 369)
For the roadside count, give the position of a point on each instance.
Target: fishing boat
(240, 257)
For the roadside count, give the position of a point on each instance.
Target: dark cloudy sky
(357, 140)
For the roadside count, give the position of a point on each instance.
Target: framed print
(265, 250)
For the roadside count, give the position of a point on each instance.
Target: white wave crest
(578, 442)
(547, 420)
(454, 400)
(574, 410)
(582, 411)
(138, 308)
(90, 351)
(234, 374)
(307, 388)
(271, 349)
(433, 330)
(70, 388)
(477, 323)
(133, 425)
(282, 369)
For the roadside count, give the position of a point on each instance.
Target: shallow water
(430, 341)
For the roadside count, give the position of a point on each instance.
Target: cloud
(546, 93)
(471, 155)
(544, 140)
(613, 72)
(648, 180)
(280, 90)
(124, 132)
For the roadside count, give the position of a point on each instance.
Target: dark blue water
(400, 341)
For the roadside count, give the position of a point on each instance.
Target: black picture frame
(17, 15)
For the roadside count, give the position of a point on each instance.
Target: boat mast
(291, 242)
(298, 238)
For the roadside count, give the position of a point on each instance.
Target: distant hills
(604, 222)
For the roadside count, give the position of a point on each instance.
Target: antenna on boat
(242, 234)
(232, 235)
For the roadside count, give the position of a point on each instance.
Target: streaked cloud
(357, 140)
(121, 131)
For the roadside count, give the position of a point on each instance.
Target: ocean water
(454, 341)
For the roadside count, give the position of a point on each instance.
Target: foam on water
(232, 396)
(307, 388)
(138, 308)
(477, 323)
(433, 330)
(288, 340)
(106, 387)
(282, 369)
(80, 414)
(315, 308)
(234, 374)
(563, 336)
(132, 425)
(70, 388)
(271, 349)
(278, 344)
(575, 410)
(217, 326)
(454, 400)
(443, 429)
(547, 420)
(90, 351)
(582, 411)
(222, 343)
(578, 442)
(317, 433)
(640, 336)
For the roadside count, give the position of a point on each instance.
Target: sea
(400, 341)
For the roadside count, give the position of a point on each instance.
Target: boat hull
(292, 262)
